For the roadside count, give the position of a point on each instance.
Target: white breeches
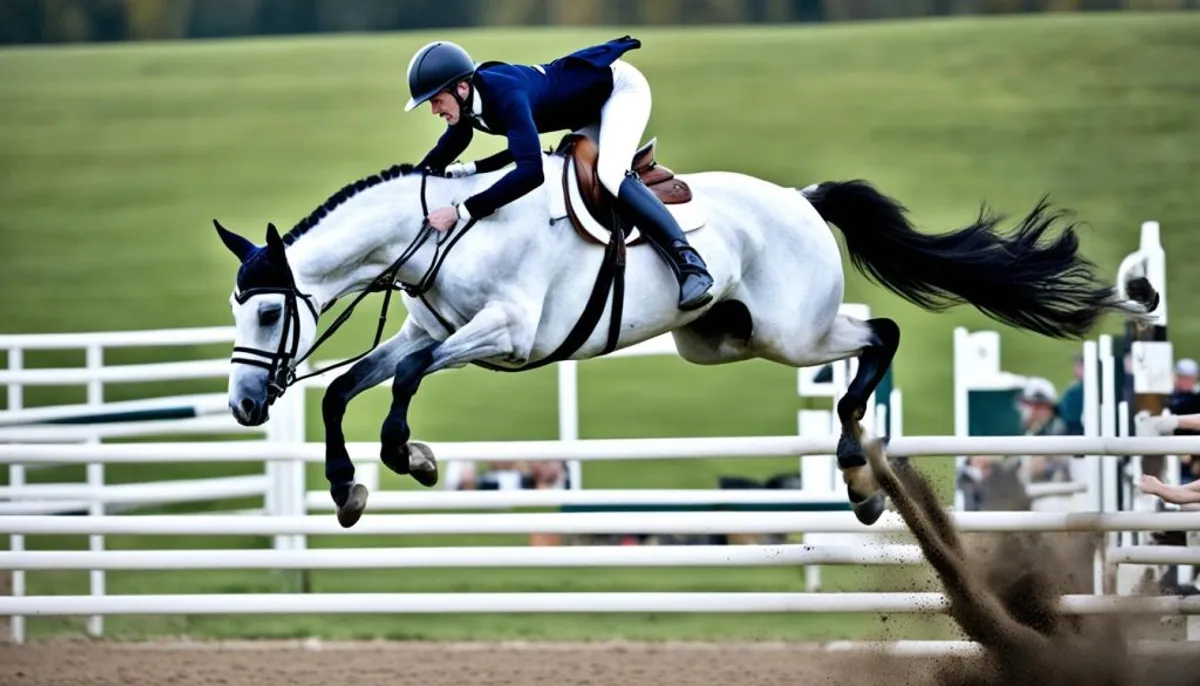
(623, 120)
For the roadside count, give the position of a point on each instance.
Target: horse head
(273, 330)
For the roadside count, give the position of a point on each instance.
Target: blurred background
(53, 21)
(126, 126)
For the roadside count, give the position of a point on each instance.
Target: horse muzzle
(250, 398)
(249, 412)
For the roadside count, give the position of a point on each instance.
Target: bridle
(281, 363)
(278, 363)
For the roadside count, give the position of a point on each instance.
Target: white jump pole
(590, 523)
(609, 449)
(791, 554)
(95, 480)
(638, 602)
(568, 415)
(16, 479)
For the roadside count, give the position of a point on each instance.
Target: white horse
(506, 292)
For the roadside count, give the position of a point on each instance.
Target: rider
(591, 88)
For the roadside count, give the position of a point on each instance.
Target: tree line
(68, 21)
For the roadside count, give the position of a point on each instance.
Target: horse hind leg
(866, 498)
(874, 342)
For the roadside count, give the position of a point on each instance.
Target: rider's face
(445, 106)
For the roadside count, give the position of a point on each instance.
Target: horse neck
(360, 238)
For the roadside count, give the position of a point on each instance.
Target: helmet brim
(416, 101)
(419, 99)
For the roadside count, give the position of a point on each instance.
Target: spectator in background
(1070, 406)
(991, 482)
(1039, 417)
(1181, 495)
(1184, 399)
(505, 475)
(510, 475)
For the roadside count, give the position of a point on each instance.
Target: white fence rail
(473, 557)
(786, 555)
(505, 499)
(590, 523)
(199, 335)
(40, 507)
(175, 491)
(456, 603)
(99, 419)
(123, 373)
(917, 648)
(74, 434)
(607, 449)
(196, 404)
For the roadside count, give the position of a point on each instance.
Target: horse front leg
(351, 497)
(395, 451)
(496, 330)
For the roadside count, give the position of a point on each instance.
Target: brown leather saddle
(598, 202)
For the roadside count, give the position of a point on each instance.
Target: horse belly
(787, 272)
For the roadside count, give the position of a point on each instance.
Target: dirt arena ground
(84, 663)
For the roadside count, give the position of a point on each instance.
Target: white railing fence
(99, 419)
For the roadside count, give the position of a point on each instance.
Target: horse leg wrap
(850, 453)
(340, 492)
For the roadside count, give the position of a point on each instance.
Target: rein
(281, 363)
(281, 369)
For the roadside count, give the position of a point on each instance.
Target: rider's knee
(611, 173)
(628, 77)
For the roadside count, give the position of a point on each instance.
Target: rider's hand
(443, 218)
(458, 170)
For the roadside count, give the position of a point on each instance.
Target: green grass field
(114, 159)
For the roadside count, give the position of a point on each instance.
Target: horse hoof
(422, 465)
(349, 513)
(870, 509)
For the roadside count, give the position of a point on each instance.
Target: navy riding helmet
(436, 67)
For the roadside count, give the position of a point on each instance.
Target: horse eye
(269, 317)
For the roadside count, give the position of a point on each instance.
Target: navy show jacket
(520, 102)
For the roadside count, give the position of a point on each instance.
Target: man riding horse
(591, 90)
(776, 283)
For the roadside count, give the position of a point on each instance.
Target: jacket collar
(477, 105)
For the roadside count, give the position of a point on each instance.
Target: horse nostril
(247, 406)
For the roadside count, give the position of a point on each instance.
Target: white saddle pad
(687, 214)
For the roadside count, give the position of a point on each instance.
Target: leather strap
(611, 276)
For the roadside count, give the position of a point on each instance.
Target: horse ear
(237, 245)
(275, 243)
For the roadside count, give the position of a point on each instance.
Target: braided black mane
(348, 191)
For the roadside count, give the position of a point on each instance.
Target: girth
(611, 276)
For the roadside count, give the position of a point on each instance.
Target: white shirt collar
(477, 106)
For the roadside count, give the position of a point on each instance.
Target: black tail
(1049, 289)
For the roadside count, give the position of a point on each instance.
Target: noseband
(281, 363)
(278, 363)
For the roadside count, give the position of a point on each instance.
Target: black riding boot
(657, 223)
